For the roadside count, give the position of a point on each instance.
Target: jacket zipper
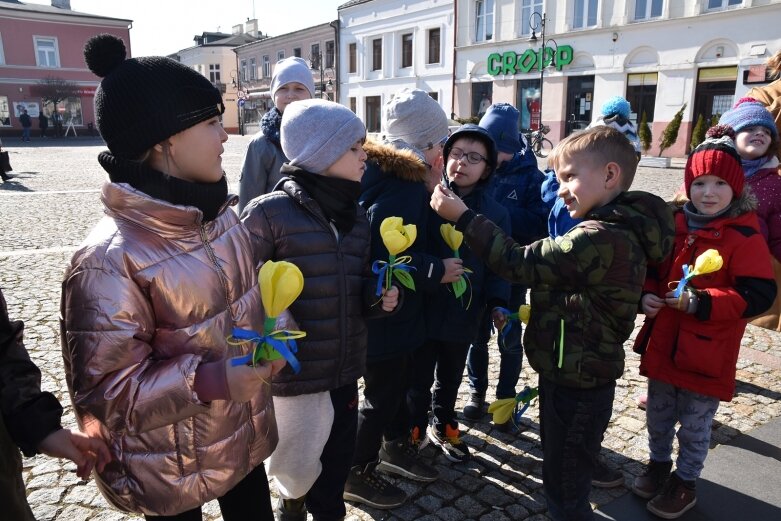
(210, 253)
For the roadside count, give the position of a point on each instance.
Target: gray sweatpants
(668, 405)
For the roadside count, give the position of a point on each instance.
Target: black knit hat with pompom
(143, 101)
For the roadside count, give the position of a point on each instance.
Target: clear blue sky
(163, 27)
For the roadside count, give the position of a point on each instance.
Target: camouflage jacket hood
(585, 285)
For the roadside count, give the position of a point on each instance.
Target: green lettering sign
(510, 62)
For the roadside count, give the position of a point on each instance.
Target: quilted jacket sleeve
(112, 371)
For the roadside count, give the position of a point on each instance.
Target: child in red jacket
(690, 343)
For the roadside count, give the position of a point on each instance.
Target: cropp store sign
(513, 63)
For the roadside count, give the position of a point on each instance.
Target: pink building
(40, 43)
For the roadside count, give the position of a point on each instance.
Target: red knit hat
(716, 156)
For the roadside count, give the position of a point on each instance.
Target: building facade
(42, 47)
(317, 45)
(661, 55)
(387, 45)
(213, 56)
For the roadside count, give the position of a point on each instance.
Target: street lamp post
(324, 88)
(236, 84)
(535, 25)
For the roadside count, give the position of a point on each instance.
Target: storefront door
(715, 92)
(580, 93)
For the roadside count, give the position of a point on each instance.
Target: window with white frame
(214, 72)
(406, 50)
(46, 52)
(377, 54)
(352, 60)
(720, 5)
(243, 70)
(253, 68)
(434, 46)
(585, 14)
(647, 9)
(484, 20)
(528, 7)
(280, 55)
(266, 66)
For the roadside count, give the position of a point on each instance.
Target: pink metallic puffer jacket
(149, 295)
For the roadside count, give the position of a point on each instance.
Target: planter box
(655, 162)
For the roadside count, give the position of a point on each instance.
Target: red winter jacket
(699, 351)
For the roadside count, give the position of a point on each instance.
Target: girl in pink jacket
(151, 296)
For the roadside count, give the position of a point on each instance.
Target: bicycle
(540, 145)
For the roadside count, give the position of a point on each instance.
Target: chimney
(62, 4)
(238, 29)
(251, 27)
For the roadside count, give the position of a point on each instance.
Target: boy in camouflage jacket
(585, 289)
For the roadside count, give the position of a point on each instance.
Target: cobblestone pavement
(53, 201)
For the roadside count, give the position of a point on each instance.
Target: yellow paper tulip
(707, 262)
(397, 236)
(280, 284)
(501, 410)
(524, 312)
(453, 238)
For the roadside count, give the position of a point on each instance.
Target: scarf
(697, 221)
(207, 197)
(270, 125)
(751, 166)
(338, 198)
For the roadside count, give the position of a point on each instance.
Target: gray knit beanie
(315, 133)
(292, 70)
(416, 118)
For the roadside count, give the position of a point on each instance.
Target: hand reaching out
(447, 204)
(85, 451)
(499, 319)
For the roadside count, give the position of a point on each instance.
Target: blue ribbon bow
(280, 341)
(380, 267)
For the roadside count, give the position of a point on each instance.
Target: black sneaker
(605, 477)
(473, 410)
(400, 458)
(365, 485)
(290, 509)
(450, 442)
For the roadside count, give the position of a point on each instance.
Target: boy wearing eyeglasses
(452, 321)
(585, 290)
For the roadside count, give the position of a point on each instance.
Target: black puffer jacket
(393, 186)
(289, 225)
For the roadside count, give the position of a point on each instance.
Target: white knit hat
(291, 70)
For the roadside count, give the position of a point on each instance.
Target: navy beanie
(143, 101)
(477, 133)
(501, 121)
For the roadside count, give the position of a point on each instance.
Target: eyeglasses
(473, 157)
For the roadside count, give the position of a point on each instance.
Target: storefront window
(529, 103)
(5, 112)
(68, 112)
(641, 95)
(482, 94)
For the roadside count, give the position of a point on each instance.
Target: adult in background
(292, 81)
(770, 95)
(24, 119)
(43, 123)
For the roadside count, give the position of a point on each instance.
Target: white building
(659, 54)
(386, 45)
(213, 56)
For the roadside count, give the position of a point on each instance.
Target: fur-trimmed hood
(402, 163)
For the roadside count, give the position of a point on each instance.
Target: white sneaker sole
(357, 499)
(390, 468)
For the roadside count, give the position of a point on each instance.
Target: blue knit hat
(749, 112)
(291, 70)
(315, 133)
(616, 105)
(501, 121)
